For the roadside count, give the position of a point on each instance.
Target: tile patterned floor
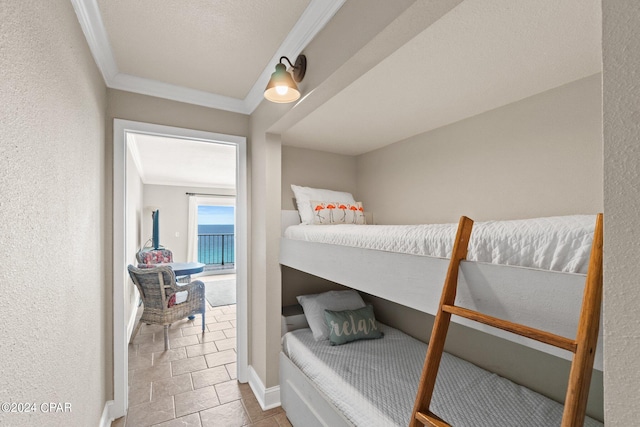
(193, 384)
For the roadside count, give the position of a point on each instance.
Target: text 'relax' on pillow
(304, 196)
(315, 305)
(329, 213)
(352, 325)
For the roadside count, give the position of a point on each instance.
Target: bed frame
(304, 404)
(511, 293)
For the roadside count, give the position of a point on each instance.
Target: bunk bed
(509, 292)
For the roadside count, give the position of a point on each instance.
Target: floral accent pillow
(154, 256)
(337, 213)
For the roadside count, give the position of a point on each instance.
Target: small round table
(185, 268)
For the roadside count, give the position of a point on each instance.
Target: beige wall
(267, 121)
(318, 169)
(265, 279)
(56, 343)
(148, 109)
(621, 121)
(541, 156)
(173, 203)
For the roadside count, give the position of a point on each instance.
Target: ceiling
(479, 56)
(214, 53)
(183, 162)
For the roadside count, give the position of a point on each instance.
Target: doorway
(121, 311)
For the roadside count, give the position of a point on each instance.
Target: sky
(219, 215)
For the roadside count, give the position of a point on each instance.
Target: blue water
(215, 228)
(217, 246)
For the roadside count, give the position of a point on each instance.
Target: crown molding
(93, 28)
(160, 89)
(312, 20)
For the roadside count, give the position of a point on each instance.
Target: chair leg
(203, 321)
(166, 337)
(135, 331)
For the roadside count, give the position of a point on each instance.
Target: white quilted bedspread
(561, 243)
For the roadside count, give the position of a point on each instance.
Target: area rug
(220, 292)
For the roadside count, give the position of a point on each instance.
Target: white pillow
(315, 305)
(304, 196)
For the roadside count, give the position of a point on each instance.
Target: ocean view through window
(216, 237)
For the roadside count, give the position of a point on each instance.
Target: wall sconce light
(282, 87)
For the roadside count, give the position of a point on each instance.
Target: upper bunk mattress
(374, 383)
(561, 243)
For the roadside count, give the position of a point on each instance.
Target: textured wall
(621, 123)
(56, 341)
(540, 156)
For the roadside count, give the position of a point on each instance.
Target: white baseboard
(268, 398)
(105, 419)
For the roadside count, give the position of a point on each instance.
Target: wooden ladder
(583, 347)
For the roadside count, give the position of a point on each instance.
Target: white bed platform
(546, 300)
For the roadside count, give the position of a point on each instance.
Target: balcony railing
(217, 250)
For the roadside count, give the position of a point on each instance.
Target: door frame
(120, 318)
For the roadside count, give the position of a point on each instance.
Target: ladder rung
(431, 419)
(525, 331)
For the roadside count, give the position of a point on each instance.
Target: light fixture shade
(281, 87)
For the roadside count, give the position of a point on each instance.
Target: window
(216, 236)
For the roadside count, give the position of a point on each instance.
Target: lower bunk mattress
(374, 383)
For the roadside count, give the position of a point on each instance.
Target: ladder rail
(583, 347)
(515, 328)
(441, 325)
(587, 337)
